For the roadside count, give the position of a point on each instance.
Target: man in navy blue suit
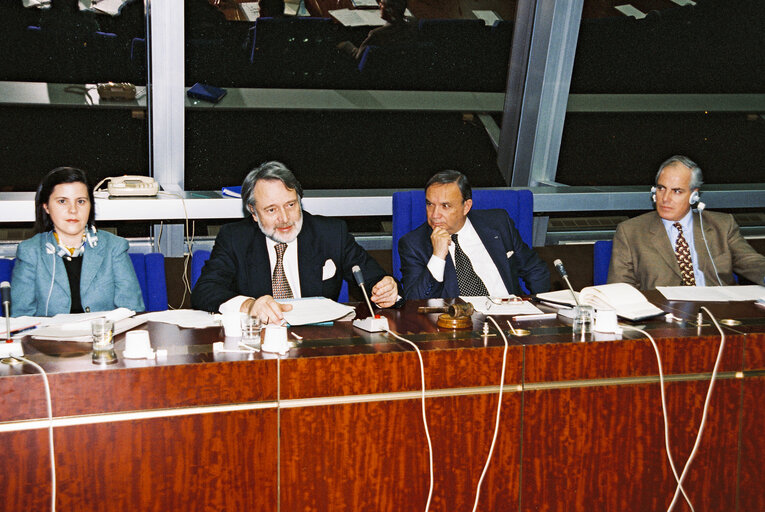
(483, 245)
(279, 251)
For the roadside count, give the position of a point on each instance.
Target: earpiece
(653, 194)
(91, 236)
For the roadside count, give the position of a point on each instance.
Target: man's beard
(276, 237)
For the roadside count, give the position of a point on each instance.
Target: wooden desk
(336, 425)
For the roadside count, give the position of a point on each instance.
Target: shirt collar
(686, 222)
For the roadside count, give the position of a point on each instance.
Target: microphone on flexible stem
(359, 277)
(5, 295)
(562, 271)
(10, 348)
(374, 323)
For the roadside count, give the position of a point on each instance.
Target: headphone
(691, 200)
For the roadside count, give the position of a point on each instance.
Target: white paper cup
(137, 344)
(232, 326)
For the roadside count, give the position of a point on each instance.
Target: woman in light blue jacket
(69, 267)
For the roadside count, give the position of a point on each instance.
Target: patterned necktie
(279, 283)
(683, 254)
(469, 282)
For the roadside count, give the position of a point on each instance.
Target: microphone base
(372, 324)
(11, 349)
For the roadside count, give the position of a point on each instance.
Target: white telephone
(132, 186)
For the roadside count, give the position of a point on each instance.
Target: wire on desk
(499, 409)
(663, 407)
(705, 410)
(50, 429)
(424, 417)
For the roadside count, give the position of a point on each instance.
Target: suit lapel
(701, 249)
(657, 236)
(53, 260)
(309, 261)
(258, 263)
(93, 258)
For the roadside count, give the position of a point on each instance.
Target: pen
(538, 316)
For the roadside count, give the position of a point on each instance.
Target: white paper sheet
(712, 293)
(68, 332)
(314, 310)
(187, 318)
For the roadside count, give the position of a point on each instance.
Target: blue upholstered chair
(6, 268)
(198, 259)
(200, 256)
(409, 213)
(150, 271)
(601, 259)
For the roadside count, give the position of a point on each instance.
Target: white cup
(137, 344)
(232, 326)
(275, 339)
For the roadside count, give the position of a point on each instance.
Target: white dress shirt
(483, 265)
(291, 270)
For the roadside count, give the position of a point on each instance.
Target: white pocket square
(329, 270)
(510, 253)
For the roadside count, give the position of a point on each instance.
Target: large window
(382, 115)
(677, 79)
(53, 54)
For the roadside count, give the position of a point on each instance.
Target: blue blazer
(107, 281)
(501, 239)
(239, 263)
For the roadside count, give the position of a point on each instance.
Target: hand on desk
(266, 308)
(385, 292)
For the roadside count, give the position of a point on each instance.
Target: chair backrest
(6, 268)
(601, 259)
(198, 259)
(150, 271)
(409, 213)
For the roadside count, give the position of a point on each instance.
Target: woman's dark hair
(58, 176)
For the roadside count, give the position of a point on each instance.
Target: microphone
(562, 271)
(359, 277)
(374, 323)
(5, 296)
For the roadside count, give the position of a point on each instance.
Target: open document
(76, 327)
(626, 300)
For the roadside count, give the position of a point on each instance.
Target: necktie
(279, 283)
(469, 282)
(683, 254)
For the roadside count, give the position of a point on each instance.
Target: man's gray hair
(268, 171)
(697, 178)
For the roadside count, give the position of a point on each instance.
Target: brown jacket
(643, 255)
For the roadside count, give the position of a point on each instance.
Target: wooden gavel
(453, 310)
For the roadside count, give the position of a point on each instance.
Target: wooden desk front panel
(373, 456)
(396, 368)
(602, 448)
(221, 461)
